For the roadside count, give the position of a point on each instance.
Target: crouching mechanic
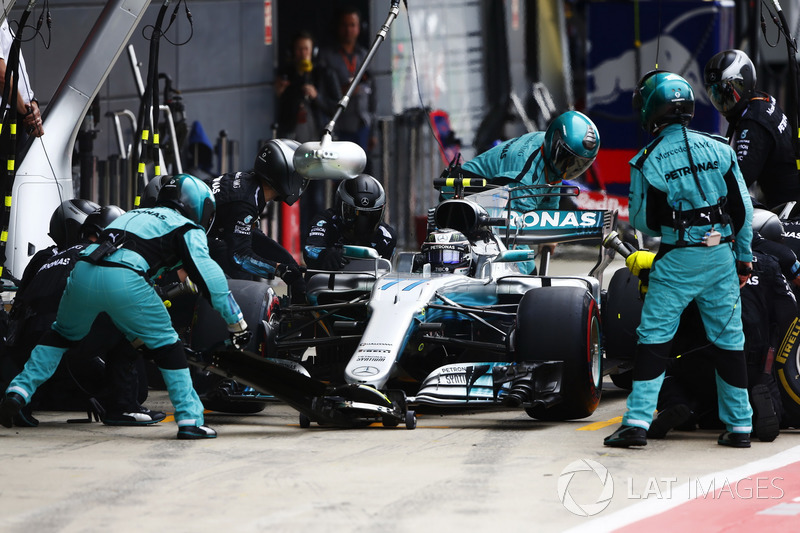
(100, 370)
(114, 276)
(686, 188)
(235, 239)
(356, 218)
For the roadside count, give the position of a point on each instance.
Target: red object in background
(269, 23)
(290, 230)
(449, 145)
(608, 181)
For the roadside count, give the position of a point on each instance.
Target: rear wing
(514, 226)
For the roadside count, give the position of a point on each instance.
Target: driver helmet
(67, 219)
(275, 167)
(730, 80)
(571, 143)
(191, 197)
(662, 98)
(96, 222)
(448, 250)
(361, 203)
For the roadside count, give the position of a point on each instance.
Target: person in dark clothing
(355, 219)
(688, 398)
(102, 371)
(758, 128)
(307, 97)
(65, 226)
(343, 61)
(307, 93)
(236, 241)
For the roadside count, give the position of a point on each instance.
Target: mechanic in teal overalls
(114, 276)
(686, 188)
(565, 151)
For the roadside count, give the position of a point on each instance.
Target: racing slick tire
(622, 312)
(209, 332)
(563, 324)
(787, 371)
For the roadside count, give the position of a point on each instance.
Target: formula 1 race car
(378, 339)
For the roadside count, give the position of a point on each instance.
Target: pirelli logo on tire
(787, 346)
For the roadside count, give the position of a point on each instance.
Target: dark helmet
(661, 98)
(96, 222)
(448, 250)
(571, 143)
(275, 167)
(67, 219)
(190, 196)
(730, 80)
(767, 224)
(150, 194)
(362, 201)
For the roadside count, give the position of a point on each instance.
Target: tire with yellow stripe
(787, 374)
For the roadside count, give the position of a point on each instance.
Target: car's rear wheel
(563, 324)
(622, 312)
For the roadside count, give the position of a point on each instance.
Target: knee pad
(169, 357)
(731, 366)
(650, 361)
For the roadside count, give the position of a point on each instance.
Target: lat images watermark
(586, 487)
(600, 478)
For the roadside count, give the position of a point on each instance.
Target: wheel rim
(595, 352)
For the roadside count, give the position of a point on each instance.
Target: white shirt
(6, 38)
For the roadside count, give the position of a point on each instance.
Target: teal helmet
(571, 143)
(662, 98)
(190, 196)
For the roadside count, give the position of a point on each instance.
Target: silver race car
(378, 339)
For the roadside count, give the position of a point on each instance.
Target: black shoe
(668, 419)
(25, 418)
(734, 440)
(766, 425)
(140, 417)
(9, 408)
(627, 436)
(196, 432)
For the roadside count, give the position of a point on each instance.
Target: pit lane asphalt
(458, 471)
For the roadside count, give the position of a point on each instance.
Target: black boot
(765, 422)
(667, 419)
(734, 440)
(196, 432)
(9, 408)
(627, 436)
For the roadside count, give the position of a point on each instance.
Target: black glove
(335, 259)
(288, 272)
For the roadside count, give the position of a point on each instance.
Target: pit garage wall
(225, 71)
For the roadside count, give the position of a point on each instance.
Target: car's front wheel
(563, 324)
